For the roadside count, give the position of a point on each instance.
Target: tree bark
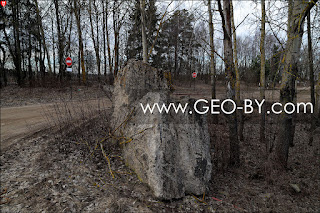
(77, 15)
(311, 75)
(231, 80)
(60, 41)
(3, 72)
(212, 64)
(104, 19)
(263, 74)
(53, 50)
(297, 13)
(235, 56)
(94, 40)
(116, 30)
(30, 74)
(108, 47)
(317, 100)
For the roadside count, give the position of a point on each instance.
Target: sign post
(69, 69)
(69, 62)
(194, 75)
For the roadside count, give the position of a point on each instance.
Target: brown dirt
(22, 121)
(18, 96)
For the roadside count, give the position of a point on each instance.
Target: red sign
(3, 3)
(194, 75)
(68, 61)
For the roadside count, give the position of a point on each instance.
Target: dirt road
(23, 121)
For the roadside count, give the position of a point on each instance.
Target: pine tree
(134, 43)
(177, 42)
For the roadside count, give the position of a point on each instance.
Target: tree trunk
(104, 20)
(43, 36)
(231, 80)
(41, 61)
(116, 37)
(77, 15)
(297, 13)
(317, 100)
(60, 41)
(212, 64)
(30, 76)
(17, 42)
(94, 40)
(79, 66)
(53, 50)
(235, 56)
(3, 72)
(263, 75)
(143, 31)
(97, 49)
(108, 47)
(311, 73)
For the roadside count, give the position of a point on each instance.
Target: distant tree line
(100, 36)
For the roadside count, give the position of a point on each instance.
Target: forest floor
(58, 169)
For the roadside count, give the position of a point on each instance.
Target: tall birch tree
(297, 13)
(236, 67)
(231, 80)
(263, 72)
(212, 64)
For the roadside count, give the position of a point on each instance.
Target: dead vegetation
(67, 171)
(19, 96)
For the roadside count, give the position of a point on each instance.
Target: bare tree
(104, 28)
(231, 80)
(212, 64)
(15, 48)
(116, 29)
(53, 48)
(77, 15)
(297, 12)
(60, 39)
(95, 38)
(106, 39)
(236, 67)
(3, 72)
(311, 72)
(263, 72)
(43, 36)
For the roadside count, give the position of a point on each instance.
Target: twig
(109, 164)
(202, 200)
(128, 117)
